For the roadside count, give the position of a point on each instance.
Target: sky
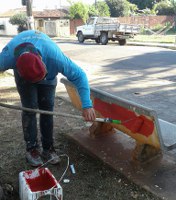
(11, 4)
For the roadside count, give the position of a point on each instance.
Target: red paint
(44, 181)
(136, 124)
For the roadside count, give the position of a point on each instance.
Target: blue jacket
(54, 59)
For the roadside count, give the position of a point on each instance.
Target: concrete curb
(162, 45)
(150, 44)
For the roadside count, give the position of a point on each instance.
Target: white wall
(9, 28)
(63, 27)
(60, 27)
(52, 28)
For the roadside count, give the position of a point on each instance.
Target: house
(52, 22)
(5, 27)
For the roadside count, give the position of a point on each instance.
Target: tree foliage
(20, 20)
(118, 7)
(133, 8)
(161, 7)
(173, 2)
(102, 8)
(82, 11)
(164, 7)
(79, 10)
(144, 3)
(93, 11)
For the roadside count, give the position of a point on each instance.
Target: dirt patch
(93, 179)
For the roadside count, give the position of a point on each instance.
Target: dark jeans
(36, 96)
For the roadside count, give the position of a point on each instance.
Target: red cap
(31, 67)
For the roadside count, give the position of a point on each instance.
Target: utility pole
(30, 19)
(95, 3)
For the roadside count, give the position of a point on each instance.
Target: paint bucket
(37, 183)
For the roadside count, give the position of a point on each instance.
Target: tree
(93, 11)
(103, 9)
(118, 7)
(164, 7)
(133, 8)
(20, 20)
(144, 3)
(173, 2)
(79, 11)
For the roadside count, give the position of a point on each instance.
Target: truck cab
(87, 30)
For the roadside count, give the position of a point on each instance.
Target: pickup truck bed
(123, 28)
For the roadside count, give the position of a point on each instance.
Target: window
(2, 27)
(90, 21)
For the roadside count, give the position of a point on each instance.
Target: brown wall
(73, 24)
(147, 21)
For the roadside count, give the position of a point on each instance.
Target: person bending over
(36, 60)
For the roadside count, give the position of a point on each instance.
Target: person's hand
(89, 114)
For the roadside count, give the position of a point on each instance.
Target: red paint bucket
(34, 184)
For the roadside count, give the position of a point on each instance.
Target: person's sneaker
(33, 158)
(51, 156)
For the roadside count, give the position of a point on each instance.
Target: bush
(157, 27)
(19, 19)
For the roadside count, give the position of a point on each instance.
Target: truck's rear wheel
(80, 37)
(122, 42)
(104, 38)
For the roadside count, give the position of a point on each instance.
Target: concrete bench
(138, 122)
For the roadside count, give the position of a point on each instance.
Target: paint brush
(108, 120)
(114, 121)
(134, 127)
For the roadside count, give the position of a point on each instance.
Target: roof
(47, 13)
(12, 12)
(57, 13)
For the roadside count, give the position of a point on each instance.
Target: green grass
(155, 38)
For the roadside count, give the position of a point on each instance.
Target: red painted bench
(138, 122)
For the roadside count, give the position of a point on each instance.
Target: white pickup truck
(103, 29)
